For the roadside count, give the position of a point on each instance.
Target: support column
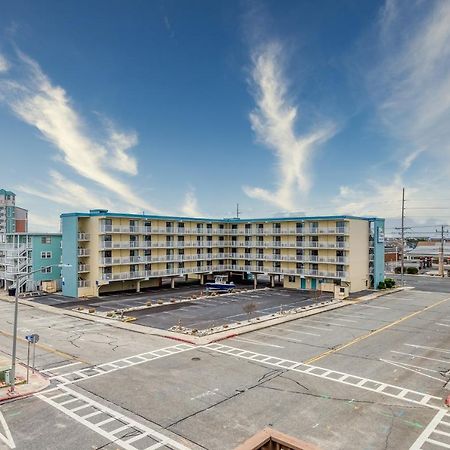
(172, 283)
(138, 286)
(272, 281)
(202, 279)
(255, 280)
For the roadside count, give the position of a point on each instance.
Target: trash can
(12, 292)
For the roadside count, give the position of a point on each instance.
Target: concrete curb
(194, 340)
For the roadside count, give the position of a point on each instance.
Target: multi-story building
(12, 218)
(112, 252)
(22, 253)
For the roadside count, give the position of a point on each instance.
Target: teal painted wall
(69, 256)
(378, 250)
(37, 261)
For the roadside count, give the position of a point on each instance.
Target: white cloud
(4, 64)
(410, 88)
(190, 205)
(274, 121)
(39, 103)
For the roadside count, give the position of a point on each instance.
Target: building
(12, 218)
(23, 253)
(112, 252)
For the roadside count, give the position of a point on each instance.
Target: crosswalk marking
(431, 434)
(390, 390)
(126, 422)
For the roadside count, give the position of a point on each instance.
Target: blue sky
(188, 107)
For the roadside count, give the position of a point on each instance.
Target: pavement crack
(268, 376)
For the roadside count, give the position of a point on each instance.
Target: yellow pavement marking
(379, 330)
(46, 348)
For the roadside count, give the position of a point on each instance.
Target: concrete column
(172, 283)
(202, 279)
(255, 281)
(272, 281)
(138, 286)
(186, 277)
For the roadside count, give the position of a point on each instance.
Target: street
(370, 375)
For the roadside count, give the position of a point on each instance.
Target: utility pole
(237, 211)
(402, 262)
(441, 252)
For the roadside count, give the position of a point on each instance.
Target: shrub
(389, 283)
(412, 270)
(381, 285)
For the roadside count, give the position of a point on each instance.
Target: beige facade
(122, 252)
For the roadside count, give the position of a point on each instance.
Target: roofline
(102, 213)
(23, 233)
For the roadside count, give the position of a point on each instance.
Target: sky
(190, 107)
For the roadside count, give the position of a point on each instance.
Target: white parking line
(249, 341)
(308, 326)
(7, 437)
(345, 320)
(301, 332)
(402, 366)
(372, 306)
(437, 349)
(443, 325)
(420, 357)
(277, 337)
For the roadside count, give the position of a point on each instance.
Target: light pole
(16, 312)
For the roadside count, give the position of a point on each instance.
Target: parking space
(223, 309)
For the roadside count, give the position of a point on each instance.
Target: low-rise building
(22, 253)
(113, 252)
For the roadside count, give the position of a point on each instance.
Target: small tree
(249, 308)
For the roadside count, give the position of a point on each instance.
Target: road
(425, 283)
(371, 375)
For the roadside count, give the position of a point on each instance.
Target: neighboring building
(25, 252)
(428, 250)
(12, 218)
(113, 252)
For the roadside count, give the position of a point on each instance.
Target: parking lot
(199, 314)
(372, 375)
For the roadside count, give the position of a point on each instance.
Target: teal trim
(70, 256)
(313, 283)
(104, 213)
(378, 251)
(302, 283)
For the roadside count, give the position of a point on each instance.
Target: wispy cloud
(4, 64)
(409, 84)
(274, 122)
(35, 100)
(190, 205)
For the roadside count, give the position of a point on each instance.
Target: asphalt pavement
(371, 375)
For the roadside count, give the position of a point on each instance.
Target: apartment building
(22, 253)
(13, 219)
(113, 252)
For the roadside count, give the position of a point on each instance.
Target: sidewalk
(37, 382)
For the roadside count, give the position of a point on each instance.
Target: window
(46, 240)
(46, 255)
(291, 279)
(46, 269)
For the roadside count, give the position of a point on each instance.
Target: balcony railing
(83, 283)
(83, 236)
(83, 252)
(83, 268)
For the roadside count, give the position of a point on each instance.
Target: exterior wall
(37, 261)
(69, 256)
(359, 255)
(120, 251)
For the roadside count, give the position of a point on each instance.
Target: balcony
(83, 268)
(83, 236)
(83, 252)
(83, 283)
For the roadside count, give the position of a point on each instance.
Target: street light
(16, 311)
